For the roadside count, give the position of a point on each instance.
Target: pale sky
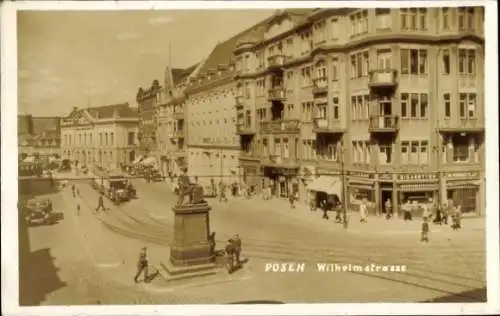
(62, 55)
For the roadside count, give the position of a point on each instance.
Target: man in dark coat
(100, 203)
(142, 266)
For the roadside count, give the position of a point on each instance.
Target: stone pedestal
(190, 251)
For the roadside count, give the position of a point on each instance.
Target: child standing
(425, 231)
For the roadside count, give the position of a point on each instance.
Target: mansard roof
(122, 110)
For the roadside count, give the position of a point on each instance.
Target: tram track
(436, 280)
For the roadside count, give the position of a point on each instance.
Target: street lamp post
(344, 186)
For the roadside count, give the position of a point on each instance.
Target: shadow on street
(472, 296)
(37, 272)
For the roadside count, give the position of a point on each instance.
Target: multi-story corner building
(171, 130)
(147, 101)
(39, 136)
(104, 136)
(393, 97)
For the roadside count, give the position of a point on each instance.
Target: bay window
(322, 111)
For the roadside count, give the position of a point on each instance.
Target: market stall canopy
(327, 184)
(149, 162)
(137, 160)
(29, 159)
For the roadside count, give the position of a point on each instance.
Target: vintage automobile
(112, 184)
(37, 211)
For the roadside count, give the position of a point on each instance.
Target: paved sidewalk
(375, 224)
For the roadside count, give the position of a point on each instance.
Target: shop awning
(327, 184)
(149, 162)
(418, 187)
(29, 159)
(137, 160)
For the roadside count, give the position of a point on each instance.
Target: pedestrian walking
(73, 190)
(324, 208)
(78, 208)
(424, 235)
(363, 212)
(445, 213)
(100, 203)
(457, 217)
(291, 199)
(77, 192)
(142, 266)
(388, 209)
(338, 215)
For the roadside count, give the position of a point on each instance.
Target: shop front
(464, 189)
(250, 176)
(361, 186)
(282, 181)
(327, 188)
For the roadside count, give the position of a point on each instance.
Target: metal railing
(280, 125)
(390, 122)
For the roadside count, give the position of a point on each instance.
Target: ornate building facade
(147, 101)
(170, 117)
(105, 136)
(396, 102)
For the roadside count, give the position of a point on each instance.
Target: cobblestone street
(96, 254)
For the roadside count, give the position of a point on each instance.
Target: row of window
(216, 121)
(411, 19)
(413, 106)
(459, 149)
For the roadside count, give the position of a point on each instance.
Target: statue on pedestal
(194, 191)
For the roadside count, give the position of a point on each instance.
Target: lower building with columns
(103, 136)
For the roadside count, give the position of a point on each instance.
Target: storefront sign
(457, 175)
(417, 176)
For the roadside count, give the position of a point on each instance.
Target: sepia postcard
(249, 157)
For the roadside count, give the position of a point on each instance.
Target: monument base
(173, 273)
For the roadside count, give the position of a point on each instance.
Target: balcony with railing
(244, 129)
(276, 61)
(320, 85)
(277, 93)
(461, 125)
(249, 155)
(384, 124)
(324, 125)
(290, 126)
(277, 160)
(383, 78)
